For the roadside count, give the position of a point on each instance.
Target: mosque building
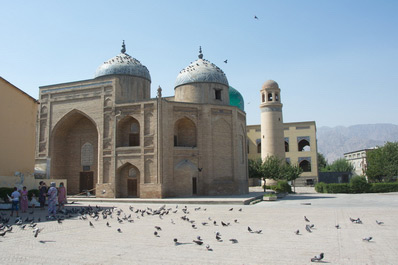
(109, 136)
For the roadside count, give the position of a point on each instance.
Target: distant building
(18, 129)
(358, 160)
(300, 147)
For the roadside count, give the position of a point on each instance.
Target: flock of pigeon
(110, 215)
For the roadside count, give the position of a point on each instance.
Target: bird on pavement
(297, 232)
(208, 248)
(379, 222)
(306, 219)
(337, 226)
(307, 227)
(158, 228)
(91, 224)
(37, 231)
(233, 240)
(317, 257)
(198, 242)
(156, 234)
(367, 238)
(249, 229)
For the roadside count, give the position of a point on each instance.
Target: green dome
(236, 99)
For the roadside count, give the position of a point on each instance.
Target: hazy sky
(336, 62)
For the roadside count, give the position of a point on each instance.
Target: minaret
(272, 137)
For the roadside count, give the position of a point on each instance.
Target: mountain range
(333, 142)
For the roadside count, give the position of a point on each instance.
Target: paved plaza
(74, 241)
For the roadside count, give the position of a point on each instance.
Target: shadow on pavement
(306, 197)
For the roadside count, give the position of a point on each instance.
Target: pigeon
(194, 226)
(218, 238)
(59, 221)
(379, 222)
(255, 17)
(240, 209)
(198, 242)
(307, 227)
(297, 232)
(226, 61)
(119, 230)
(107, 224)
(209, 248)
(236, 221)
(312, 226)
(223, 224)
(367, 238)
(231, 209)
(156, 234)
(233, 240)
(204, 223)
(3, 234)
(23, 226)
(158, 228)
(317, 257)
(337, 226)
(91, 224)
(37, 231)
(249, 229)
(215, 223)
(306, 219)
(172, 221)
(176, 242)
(199, 238)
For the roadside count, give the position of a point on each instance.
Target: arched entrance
(74, 152)
(128, 181)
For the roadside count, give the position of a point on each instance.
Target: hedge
(282, 186)
(356, 186)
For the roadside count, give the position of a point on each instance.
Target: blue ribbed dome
(236, 99)
(123, 64)
(201, 71)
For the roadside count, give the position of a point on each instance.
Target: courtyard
(74, 241)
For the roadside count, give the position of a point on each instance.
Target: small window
(262, 98)
(269, 96)
(218, 94)
(276, 97)
(259, 148)
(286, 146)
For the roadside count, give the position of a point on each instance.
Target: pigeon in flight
(255, 17)
(37, 231)
(226, 61)
(317, 257)
(367, 238)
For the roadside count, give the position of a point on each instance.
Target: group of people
(53, 194)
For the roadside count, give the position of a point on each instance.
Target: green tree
(383, 163)
(291, 172)
(322, 163)
(255, 168)
(341, 165)
(272, 168)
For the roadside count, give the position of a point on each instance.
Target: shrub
(384, 187)
(359, 185)
(4, 192)
(282, 186)
(320, 187)
(337, 188)
(35, 191)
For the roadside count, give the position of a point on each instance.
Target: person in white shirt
(15, 201)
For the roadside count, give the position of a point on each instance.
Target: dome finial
(123, 50)
(200, 53)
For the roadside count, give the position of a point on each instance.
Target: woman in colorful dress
(61, 196)
(24, 200)
(52, 200)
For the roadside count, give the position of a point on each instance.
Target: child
(33, 201)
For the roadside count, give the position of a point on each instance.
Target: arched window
(128, 133)
(87, 154)
(269, 96)
(286, 146)
(185, 133)
(262, 98)
(276, 97)
(305, 165)
(304, 145)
